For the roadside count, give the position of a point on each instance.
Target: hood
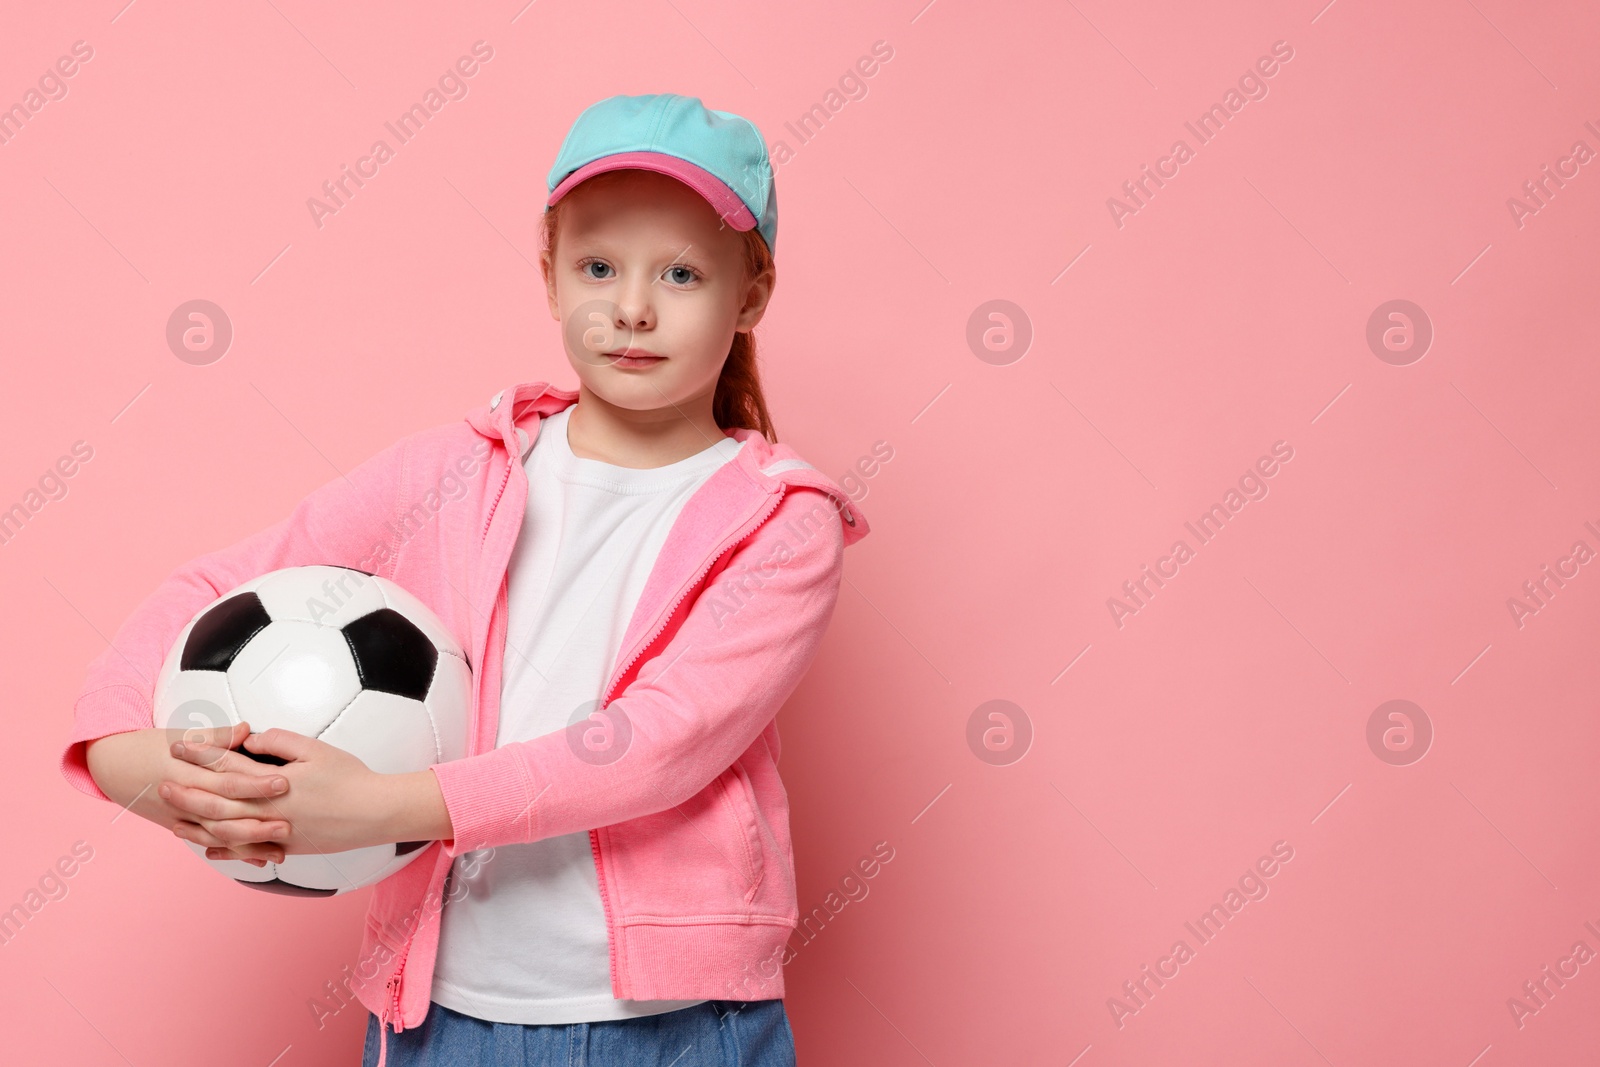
(510, 414)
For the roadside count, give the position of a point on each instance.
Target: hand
(224, 800)
(334, 802)
(129, 765)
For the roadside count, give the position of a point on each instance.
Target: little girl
(641, 576)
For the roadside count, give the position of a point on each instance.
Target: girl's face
(644, 266)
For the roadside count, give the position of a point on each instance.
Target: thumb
(285, 744)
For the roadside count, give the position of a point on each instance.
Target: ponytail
(739, 400)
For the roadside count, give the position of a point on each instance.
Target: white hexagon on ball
(300, 674)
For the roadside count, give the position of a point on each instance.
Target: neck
(627, 437)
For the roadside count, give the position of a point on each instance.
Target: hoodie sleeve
(747, 640)
(345, 522)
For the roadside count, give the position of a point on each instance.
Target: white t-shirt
(527, 941)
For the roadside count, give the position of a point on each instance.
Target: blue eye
(677, 274)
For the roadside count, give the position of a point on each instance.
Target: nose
(635, 311)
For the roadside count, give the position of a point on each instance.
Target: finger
(258, 854)
(230, 854)
(221, 855)
(215, 735)
(285, 744)
(237, 833)
(202, 753)
(249, 785)
(248, 837)
(199, 802)
(228, 736)
(237, 775)
(211, 741)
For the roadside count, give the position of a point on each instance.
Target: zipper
(721, 551)
(395, 978)
(594, 835)
(405, 950)
(394, 989)
(483, 538)
(605, 902)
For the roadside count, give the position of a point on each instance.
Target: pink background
(1228, 313)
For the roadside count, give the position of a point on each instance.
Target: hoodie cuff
(114, 709)
(488, 799)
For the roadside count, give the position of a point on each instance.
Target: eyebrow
(589, 246)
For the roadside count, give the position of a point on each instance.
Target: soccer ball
(334, 653)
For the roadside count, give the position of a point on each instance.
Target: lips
(634, 359)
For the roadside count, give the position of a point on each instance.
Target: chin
(635, 396)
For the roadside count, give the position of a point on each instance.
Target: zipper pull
(393, 1012)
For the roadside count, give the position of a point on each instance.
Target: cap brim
(728, 206)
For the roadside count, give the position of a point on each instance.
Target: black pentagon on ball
(288, 889)
(220, 634)
(391, 654)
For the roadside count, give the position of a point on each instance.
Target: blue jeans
(717, 1033)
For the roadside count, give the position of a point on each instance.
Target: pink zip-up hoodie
(690, 828)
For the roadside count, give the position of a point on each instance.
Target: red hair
(738, 400)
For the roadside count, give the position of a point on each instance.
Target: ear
(757, 296)
(547, 268)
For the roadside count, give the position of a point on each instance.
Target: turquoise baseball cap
(718, 154)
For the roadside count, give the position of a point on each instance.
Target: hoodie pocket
(739, 797)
